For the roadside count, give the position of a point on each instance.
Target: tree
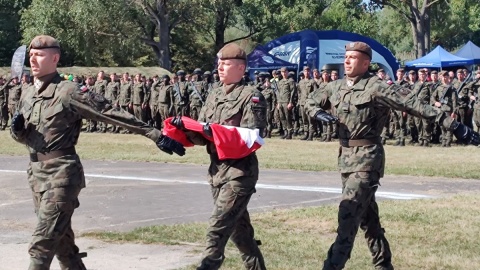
(10, 35)
(417, 12)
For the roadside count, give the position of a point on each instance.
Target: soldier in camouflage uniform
(232, 180)
(165, 99)
(138, 97)
(445, 98)
(422, 91)
(125, 95)
(269, 93)
(100, 88)
(14, 93)
(474, 88)
(463, 100)
(48, 122)
(198, 93)
(153, 102)
(111, 94)
(181, 95)
(400, 118)
(305, 87)
(361, 103)
(286, 93)
(216, 80)
(4, 103)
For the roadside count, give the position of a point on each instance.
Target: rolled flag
(230, 142)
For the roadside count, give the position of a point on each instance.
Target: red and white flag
(230, 142)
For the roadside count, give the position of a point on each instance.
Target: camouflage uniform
(111, 94)
(400, 118)
(327, 128)
(153, 103)
(99, 88)
(285, 96)
(14, 93)
(305, 87)
(3, 106)
(423, 126)
(232, 181)
(53, 118)
(474, 88)
(446, 95)
(271, 100)
(181, 95)
(166, 101)
(197, 97)
(138, 99)
(463, 101)
(362, 107)
(124, 96)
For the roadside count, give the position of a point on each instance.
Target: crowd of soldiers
(183, 94)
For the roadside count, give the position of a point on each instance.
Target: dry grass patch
(423, 234)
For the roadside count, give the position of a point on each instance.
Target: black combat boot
(289, 135)
(285, 134)
(328, 138)
(384, 141)
(310, 136)
(398, 142)
(304, 138)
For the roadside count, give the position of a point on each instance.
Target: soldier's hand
(177, 122)
(464, 133)
(18, 123)
(170, 146)
(207, 130)
(289, 106)
(323, 116)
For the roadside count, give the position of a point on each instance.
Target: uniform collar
(352, 82)
(232, 91)
(46, 85)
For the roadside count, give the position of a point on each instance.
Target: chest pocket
(231, 114)
(362, 106)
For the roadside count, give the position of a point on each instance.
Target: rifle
(442, 99)
(177, 93)
(475, 94)
(463, 83)
(275, 86)
(196, 92)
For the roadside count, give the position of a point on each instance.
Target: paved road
(123, 195)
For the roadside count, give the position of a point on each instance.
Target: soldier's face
(460, 76)
(381, 75)
(306, 74)
(231, 70)
(434, 77)
(400, 75)
(422, 77)
(356, 63)
(43, 61)
(334, 77)
(412, 77)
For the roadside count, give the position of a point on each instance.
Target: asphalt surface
(123, 195)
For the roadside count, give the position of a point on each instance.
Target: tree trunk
(163, 27)
(427, 32)
(220, 26)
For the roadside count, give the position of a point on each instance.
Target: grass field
(457, 162)
(423, 235)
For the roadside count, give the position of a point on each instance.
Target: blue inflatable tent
(317, 49)
(439, 58)
(470, 51)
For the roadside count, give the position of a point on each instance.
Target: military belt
(36, 157)
(360, 142)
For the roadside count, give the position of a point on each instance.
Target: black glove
(323, 116)
(464, 133)
(207, 130)
(170, 146)
(18, 123)
(177, 122)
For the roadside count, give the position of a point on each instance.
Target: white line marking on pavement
(381, 194)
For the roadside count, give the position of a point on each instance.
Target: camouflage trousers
(230, 220)
(3, 116)
(358, 208)
(53, 235)
(309, 124)
(286, 116)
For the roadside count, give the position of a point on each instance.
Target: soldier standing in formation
(305, 87)
(474, 89)
(111, 94)
(286, 92)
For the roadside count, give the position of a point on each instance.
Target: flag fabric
(230, 142)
